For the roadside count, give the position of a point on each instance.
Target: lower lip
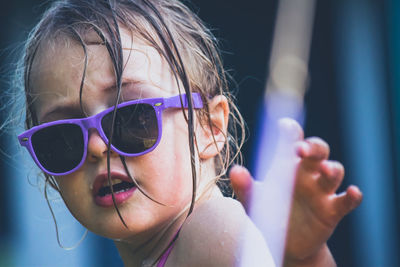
(120, 198)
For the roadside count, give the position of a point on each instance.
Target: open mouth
(118, 186)
(122, 186)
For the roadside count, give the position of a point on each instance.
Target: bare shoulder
(215, 234)
(222, 211)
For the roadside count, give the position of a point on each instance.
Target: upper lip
(102, 177)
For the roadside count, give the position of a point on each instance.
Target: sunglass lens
(59, 148)
(135, 128)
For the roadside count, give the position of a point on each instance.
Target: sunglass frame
(159, 104)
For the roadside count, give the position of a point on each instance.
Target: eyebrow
(73, 111)
(126, 83)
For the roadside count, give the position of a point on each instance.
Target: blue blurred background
(353, 102)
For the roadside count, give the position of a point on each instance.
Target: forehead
(58, 69)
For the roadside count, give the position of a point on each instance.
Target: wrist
(323, 257)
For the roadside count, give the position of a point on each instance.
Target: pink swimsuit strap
(164, 257)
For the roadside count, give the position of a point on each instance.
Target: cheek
(70, 182)
(164, 176)
(175, 145)
(66, 184)
(75, 192)
(169, 164)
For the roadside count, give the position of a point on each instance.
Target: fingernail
(338, 167)
(303, 149)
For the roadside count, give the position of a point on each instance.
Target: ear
(213, 140)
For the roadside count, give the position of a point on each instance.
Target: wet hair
(179, 36)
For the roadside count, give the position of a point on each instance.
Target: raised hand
(316, 208)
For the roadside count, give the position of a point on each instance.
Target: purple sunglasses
(60, 147)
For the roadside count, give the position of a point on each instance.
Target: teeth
(113, 182)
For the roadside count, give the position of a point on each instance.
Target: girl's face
(164, 174)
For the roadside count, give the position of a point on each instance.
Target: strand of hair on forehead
(182, 72)
(116, 54)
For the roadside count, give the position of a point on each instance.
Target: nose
(97, 148)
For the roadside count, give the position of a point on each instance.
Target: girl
(129, 118)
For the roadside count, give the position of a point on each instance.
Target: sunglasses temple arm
(175, 101)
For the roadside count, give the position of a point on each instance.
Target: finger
(290, 130)
(317, 149)
(242, 184)
(312, 151)
(284, 155)
(289, 133)
(347, 201)
(332, 173)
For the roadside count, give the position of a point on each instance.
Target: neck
(145, 249)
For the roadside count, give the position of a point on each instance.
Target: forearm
(322, 258)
